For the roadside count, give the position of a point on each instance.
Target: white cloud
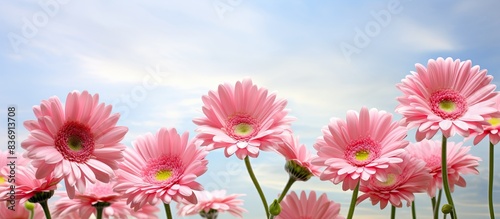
(419, 37)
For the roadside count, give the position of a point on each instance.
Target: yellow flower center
(243, 129)
(362, 155)
(2, 180)
(494, 121)
(75, 143)
(447, 106)
(163, 175)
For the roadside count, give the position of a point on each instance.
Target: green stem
(354, 198)
(99, 213)
(413, 210)
(99, 206)
(393, 212)
(433, 202)
(444, 171)
(437, 204)
(289, 184)
(257, 186)
(490, 181)
(45, 207)
(167, 210)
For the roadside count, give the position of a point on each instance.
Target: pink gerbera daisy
(27, 185)
(299, 159)
(304, 207)
(359, 147)
(242, 119)
(214, 202)
(492, 129)
(448, 95)
(458, 160)
(403, 180)
(161, 167)
(80, 141)
(84, 205)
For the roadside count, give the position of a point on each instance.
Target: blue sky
(153, 60)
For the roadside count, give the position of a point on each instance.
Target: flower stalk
(436, 204)
(288, 185)
(99, 206)
(393, 212)
(46, 210)
(354, 198)
(256, 184)
(168, 212)
(444, 171)
(413, 210)
(490, 180)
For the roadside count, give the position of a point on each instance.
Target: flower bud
(29, 205)
(446, 209)
(275, 208)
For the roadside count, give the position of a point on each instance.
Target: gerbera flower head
(458, 159)
(359, 147)
(213, 202)
(242, 118)
(83, 205)
(161, 167)
(100, 192)
(79, 141)
(28, 187)
(299, 159)
(448, 95)
(492, 129)
(303, 207)
(403, 180)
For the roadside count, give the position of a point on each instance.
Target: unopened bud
(275, 208)
(29, 205)
(446, 209)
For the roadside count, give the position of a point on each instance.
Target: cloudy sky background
(154, 60)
